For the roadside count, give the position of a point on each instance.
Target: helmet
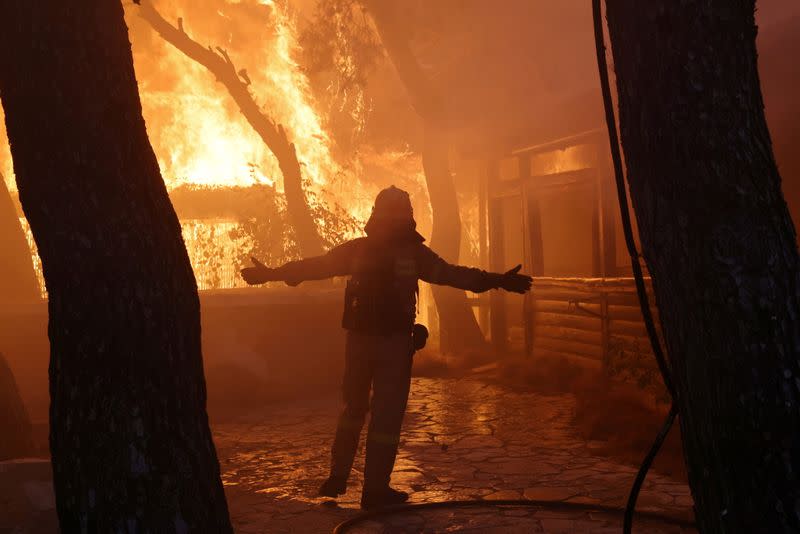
(393, 203)
(392, 213)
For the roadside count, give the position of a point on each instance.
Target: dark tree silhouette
(129, 436)
(720, 244)
(274, 136)
(461, 330)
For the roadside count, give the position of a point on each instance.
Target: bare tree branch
(274, 136)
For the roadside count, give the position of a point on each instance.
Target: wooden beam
(499, 326)
(544, 182)
(483, 207)
(483, 247)
(598, 269)
(524, 171)
(608, 210)
(564, 142)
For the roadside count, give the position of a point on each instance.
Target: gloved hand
(258, 273)
(513, 281)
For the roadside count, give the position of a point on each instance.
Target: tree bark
(458, 325)
(129, 436)
(720, 245)
(273, 135)
(459, 328)
(18, 280)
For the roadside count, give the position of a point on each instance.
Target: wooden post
(499, 327)
(533, 220)
(607, 236)
(604, 332)
(483, 248)
(535, 235)
(598, 269)
(608, 209)
(524, 162)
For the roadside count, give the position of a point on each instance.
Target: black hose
(644, 303)
(627, 524)
(622, 195)
(342, 527)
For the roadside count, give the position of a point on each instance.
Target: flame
(200, 137)
(198, 134)
(292, 102)
(205, 147)
(572, 158)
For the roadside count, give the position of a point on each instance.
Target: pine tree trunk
(720, 245)
(129, 435)
(460, 330)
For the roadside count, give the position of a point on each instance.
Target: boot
(377, 472)
(344, 450)
(371, 499)
(333, 487)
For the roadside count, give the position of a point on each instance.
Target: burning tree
(218, 62)
(720, 244)
(130, 442)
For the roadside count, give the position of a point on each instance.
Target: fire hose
(647, 315)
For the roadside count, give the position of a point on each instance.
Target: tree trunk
(17, 278)
(274, 136)
(720, 245)
(129, 436)
(459, 329)
(458, 325)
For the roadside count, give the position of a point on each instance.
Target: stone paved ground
(463, 439)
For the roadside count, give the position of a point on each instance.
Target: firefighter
(380, 308)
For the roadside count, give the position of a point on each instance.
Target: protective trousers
(382, 362)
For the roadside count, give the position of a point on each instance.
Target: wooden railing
(594, 318)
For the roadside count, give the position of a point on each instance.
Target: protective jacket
(384, 270)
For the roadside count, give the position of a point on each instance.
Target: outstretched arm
(437, 271)
(335, 263)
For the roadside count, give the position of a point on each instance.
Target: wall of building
(259, 345)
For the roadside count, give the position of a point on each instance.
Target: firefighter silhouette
(379, 312)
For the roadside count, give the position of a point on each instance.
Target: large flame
(292, 103)
(200, 137)
(198, 134)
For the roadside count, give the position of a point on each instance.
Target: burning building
(526, 148)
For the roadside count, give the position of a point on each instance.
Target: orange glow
(572, 158)
(200, 137)
(6, 166)
(197, 132)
